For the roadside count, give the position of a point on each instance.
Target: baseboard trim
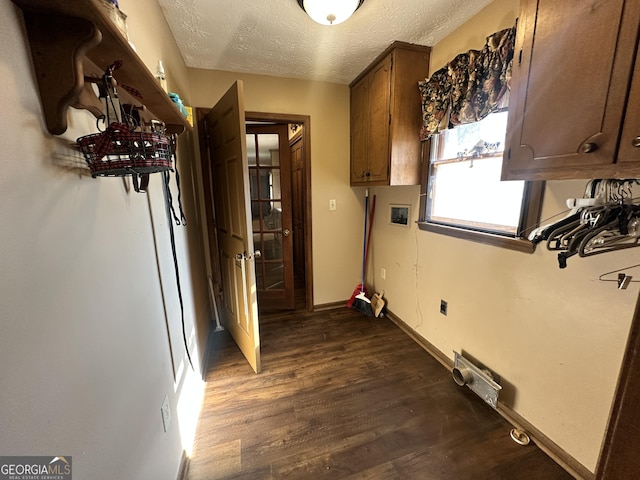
(329, 306)
(207, 350)
(428, 346)
(184, 467)
(548, 446)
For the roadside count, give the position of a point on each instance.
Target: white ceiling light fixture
(330, 12)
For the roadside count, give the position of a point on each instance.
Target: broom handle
(364, 239)
(366, 249)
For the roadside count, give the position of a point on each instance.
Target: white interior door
(230, 184)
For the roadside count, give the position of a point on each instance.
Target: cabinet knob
(588, 147)
(367, 174)
(636, 142)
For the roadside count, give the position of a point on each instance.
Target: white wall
(556, 337)
(84, 347)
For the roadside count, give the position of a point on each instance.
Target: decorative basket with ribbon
(125, 148)
(120, 151)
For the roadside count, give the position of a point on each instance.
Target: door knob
(636, 142)
(257, 254)
(286, 232)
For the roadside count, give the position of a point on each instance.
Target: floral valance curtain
(469, 87)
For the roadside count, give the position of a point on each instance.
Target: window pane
(272, 212)
(272, 246)
(275, 185)
(470, 192)
(464, 183)
(474, 138)
(268, 153)
(274, 277)
(251, 149)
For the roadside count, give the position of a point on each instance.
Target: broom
(359, 300)
(360, 287)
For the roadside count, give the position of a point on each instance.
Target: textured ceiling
(276, 37)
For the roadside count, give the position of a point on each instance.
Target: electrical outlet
(166, 414)
(443, 307)
(332, 204)
(383, 273)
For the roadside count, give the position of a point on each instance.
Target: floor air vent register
(478, 380)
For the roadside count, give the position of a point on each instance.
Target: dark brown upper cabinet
(575, 96)
(386, 117)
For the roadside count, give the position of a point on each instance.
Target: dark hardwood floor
(342, 395)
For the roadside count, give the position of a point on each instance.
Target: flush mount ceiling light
(330, 12)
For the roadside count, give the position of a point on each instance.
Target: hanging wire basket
(125, 146)
(119, 151)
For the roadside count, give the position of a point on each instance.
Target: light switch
(332, 204)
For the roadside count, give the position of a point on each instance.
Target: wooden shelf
(71, 39)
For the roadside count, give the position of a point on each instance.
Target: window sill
(519, 244)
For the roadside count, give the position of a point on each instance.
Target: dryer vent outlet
(478, 380)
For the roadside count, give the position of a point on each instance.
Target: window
(463, 195)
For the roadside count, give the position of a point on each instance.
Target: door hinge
(520, 57)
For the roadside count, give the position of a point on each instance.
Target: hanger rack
(606, 219)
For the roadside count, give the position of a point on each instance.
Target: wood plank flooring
(344, 396)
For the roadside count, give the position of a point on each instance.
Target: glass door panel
(270, 190)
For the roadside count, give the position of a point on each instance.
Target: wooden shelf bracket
(58, 46)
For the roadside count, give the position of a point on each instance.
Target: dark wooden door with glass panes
(270, 183)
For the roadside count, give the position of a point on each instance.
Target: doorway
(299, 179)
(269, 166)
(299, 143)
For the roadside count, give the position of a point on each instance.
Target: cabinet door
(570, 78)
(359, 130)
(379, 119)
(405, 149)
(629, 152)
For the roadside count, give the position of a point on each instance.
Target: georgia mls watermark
(35, 468)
